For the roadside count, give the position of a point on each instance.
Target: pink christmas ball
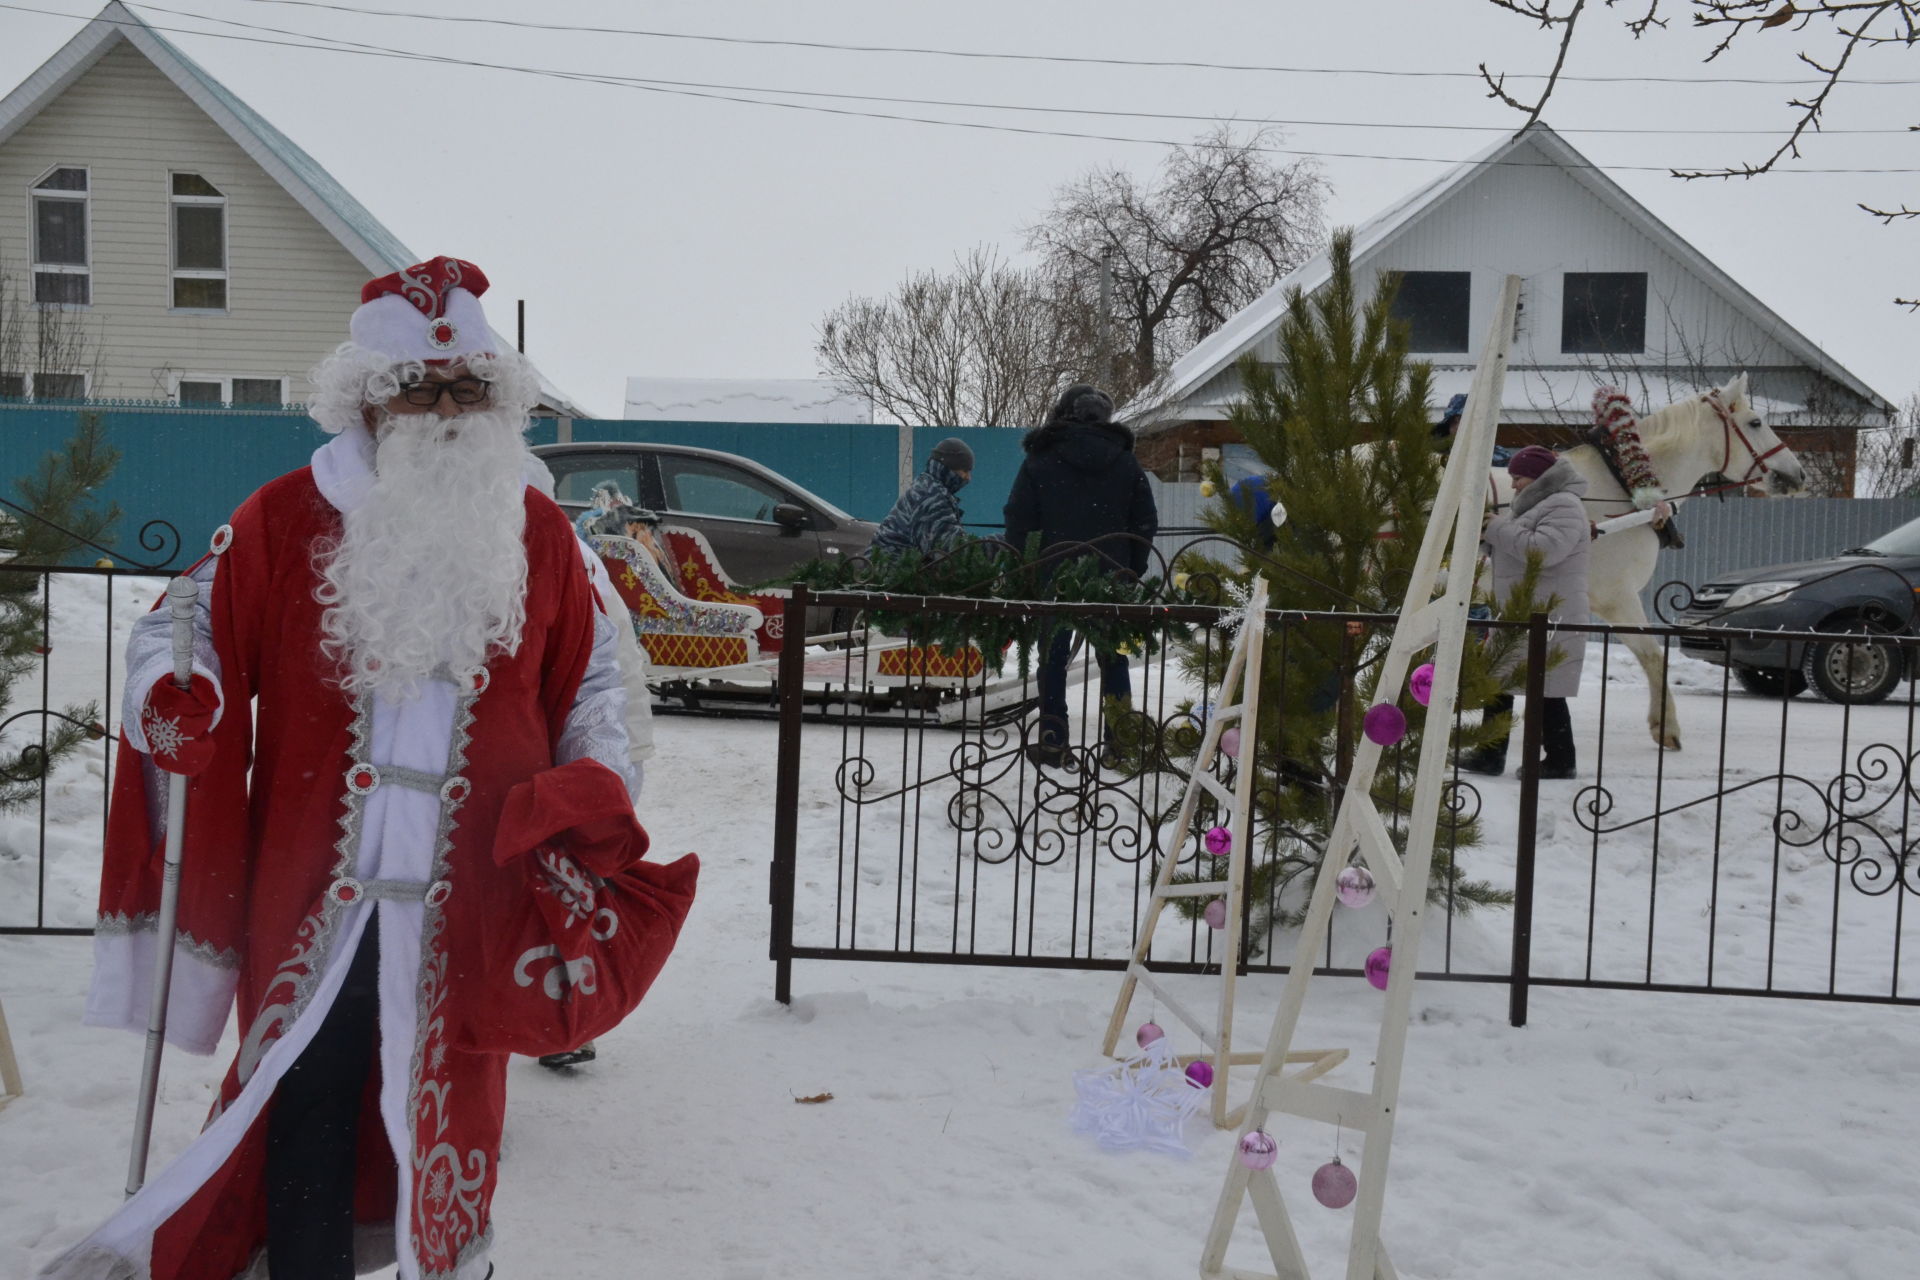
(1148, 1033)
(1219, 841)
(1334, 1184)
(1420, 683)
(1216, 914)
(1258, 1150)
(1200, 1074)
(1384, 723)
(1230, 743)
(1355, 887)
(1378, 962)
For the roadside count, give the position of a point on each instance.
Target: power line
(356, 48)
(609, 78)
(838, 47)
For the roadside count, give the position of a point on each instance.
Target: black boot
(1556, 739)
(1490, 760)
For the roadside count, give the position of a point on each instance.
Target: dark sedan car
(760, 524)
(1866, 590)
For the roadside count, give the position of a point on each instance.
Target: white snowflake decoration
(1145, 1101)
(163, 733)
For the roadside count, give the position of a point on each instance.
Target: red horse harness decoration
(1731, 431)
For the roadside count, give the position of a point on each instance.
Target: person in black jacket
(1081, 483)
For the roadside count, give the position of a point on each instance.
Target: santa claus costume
(410, 847)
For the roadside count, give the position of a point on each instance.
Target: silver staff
(182, 594)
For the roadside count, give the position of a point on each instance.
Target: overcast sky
(667, 235)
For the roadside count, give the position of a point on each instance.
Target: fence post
(786, 791)
(1531, 723)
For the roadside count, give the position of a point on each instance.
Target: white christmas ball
(1279, 516)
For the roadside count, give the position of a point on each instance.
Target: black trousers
(1556, 731)
(313, 1127)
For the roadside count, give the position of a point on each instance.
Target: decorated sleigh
(712, 646)
(678, 633)
(702, 579)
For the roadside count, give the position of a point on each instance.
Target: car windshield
(1904, 541)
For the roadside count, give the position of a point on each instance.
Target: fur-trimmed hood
(1558, 478)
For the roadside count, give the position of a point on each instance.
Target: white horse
(1719, 433)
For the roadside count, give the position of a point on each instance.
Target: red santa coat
(518, 933)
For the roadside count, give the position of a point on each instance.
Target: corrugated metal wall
(1723, 537)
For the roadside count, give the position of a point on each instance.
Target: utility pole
(520, 332)
(1106, 317)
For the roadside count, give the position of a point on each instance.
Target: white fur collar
(343, 470)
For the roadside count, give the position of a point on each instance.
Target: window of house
(13, 385)
(59, 386)
(1604, 311)
(214, 390)
(199, 244)
(1435, 307)
(61, 274)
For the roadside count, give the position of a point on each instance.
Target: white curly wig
(353, 379)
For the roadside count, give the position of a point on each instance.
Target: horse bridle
(1731, 431)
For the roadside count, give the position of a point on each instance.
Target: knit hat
(953, 454)
(1531, 462)
(1083, 403)
(428, 312)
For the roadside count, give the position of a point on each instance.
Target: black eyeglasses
(426, 395)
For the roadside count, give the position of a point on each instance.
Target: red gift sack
(590, 924)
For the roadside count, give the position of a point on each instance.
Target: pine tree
(1341, 422)
(56, 516)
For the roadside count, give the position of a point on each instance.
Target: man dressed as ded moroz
(410, 848)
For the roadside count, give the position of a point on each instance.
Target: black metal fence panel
(1774, 855)
(50, 844)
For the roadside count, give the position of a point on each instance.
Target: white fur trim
(400, 331)
(201, 991)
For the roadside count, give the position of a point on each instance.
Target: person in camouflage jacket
(927, 516)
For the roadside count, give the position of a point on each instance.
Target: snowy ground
(1618, 1135)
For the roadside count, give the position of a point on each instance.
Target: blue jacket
(927, 516)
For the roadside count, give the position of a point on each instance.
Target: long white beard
(431, 569)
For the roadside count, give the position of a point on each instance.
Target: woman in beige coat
(1547, 517)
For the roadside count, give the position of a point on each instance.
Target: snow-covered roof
(304, 178)
(1221, 349)
(744, 400)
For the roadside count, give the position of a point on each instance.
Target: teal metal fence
(192, 467)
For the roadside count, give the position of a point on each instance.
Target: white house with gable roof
(1611, 295)
(200, 256)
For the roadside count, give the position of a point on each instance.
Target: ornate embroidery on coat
(448, 1187)
(300, 972)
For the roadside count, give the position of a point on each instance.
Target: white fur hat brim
(397, 329)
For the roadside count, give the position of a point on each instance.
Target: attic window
(1604, 311)
(1434, 305)
(199, 244)
(61, 274)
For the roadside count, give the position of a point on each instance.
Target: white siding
(1542, 222)
(291, 286)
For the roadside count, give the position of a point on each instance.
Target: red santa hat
(428, 312)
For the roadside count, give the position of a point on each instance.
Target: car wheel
(1855, 672)
(1770, 682)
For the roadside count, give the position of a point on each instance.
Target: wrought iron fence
(1773, 856)
(50, 845)
(935, 822)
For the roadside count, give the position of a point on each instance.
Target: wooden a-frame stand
(1237, 704)
(1360, 834)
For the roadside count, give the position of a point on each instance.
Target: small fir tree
(1341, 423)
(57, 515)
